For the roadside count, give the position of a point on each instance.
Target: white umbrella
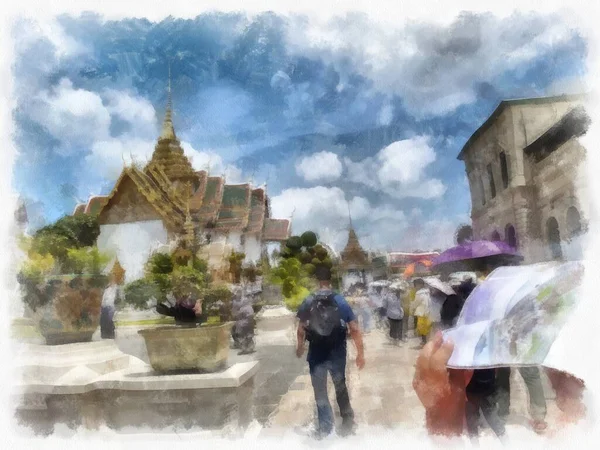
(380, 283)
(399, 286)
(439, 285)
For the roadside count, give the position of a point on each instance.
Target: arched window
(511, 236)
(504, 169)
(491, 179)
(574, 228)
(496, 236)
(481, 191)
(553, 234)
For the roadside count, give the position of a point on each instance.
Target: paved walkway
(381, 394)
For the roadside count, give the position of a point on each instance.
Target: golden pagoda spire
(168, 132)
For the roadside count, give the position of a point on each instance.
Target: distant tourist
(112, 294)
(325, 319)
(395, 314)
(364, 306)
(422, 305)
(243, 314)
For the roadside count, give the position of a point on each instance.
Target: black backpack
(325, 326)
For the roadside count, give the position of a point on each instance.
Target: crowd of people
(454, 400)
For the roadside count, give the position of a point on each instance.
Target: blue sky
(328, 113)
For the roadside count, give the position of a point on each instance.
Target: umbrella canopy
(470, 255)
(399, 286)
(475, 249)
(515, 316)
(436, 283)
(380, 283)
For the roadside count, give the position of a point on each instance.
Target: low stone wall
(214, 408)
(94, 384)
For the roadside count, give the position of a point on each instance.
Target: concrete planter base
(173, 348)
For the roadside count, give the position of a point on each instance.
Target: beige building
(525, 172)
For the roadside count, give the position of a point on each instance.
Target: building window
(511, 236)
(574, 227)
(496, 236)
(491, 178)
(504, 169)
(554, 238)
(481, 191)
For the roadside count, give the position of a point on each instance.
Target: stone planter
(173, 348)
(275, 318)
(72, 313)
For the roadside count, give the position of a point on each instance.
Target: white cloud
(399, 170)
(203, 160)
(385, 115)
(137, 111)
(75, 117)
(379, 227)
(322, 166)
(107, 157)
(325, 211)
(434, 67)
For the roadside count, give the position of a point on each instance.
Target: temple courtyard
(381, 394)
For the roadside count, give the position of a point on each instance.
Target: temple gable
(127, 205)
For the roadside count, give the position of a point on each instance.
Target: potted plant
(183, 291)
(65, 297)
(61, 279)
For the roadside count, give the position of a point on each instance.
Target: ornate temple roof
(168, 153)
(258, 208)
(353, 256)
(162, 201)
(79, 209)
(235, 208)
(198, 196)
(276, 230)
(209, 203)
(95, 205)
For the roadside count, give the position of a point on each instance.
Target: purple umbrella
(477, 251)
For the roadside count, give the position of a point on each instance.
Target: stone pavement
(381, 394)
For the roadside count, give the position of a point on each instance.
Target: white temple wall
(234, 238)
(132, 243)
(252, 249)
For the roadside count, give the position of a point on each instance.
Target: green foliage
(85, 260)
(251, 272)
(309, 239)
(294, 242)
(213, 296)
(235, 266)
(298, 261)
(187, 283)
(137, 293)
(68, 232)
(160, 263)
(294, 301)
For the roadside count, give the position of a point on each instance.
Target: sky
(335, 114)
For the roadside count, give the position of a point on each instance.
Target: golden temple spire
(168, 132)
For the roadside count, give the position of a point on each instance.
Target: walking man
(325, 319)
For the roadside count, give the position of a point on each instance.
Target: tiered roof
(353, 256)
(211, 203)
(235, 208)
(276, 230)
(258, 211)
